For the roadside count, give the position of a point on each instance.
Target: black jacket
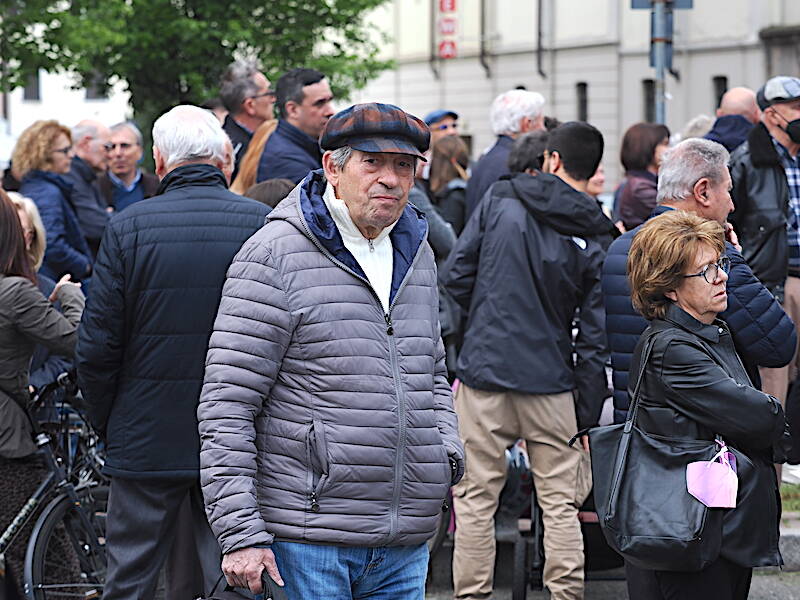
(761, 197)
(763, 333)
(288, 154)
(144, 334)
(451, 202)
(695, 387)
(526, 261)
(89, 205)
(489, 168)
(240, 138)
(730, 131)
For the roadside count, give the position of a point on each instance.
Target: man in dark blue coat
(513, 113)
(143, 339)
(694, 176)
(304, 106)
(736, 115)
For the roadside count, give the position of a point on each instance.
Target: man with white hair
(125, 182)
(89, 139)
(694, 177)
(513, 113)
(143, 339)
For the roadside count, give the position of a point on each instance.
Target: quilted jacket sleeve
(101, 337)
(763, 333)
(251, 334)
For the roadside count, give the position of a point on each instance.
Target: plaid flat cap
(376, 127)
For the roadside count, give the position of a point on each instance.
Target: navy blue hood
(730, 131)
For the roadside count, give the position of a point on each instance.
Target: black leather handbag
(644, 509)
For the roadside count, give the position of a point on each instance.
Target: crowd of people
(276, 319)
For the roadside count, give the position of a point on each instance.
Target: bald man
(89, 139)
(736, 115)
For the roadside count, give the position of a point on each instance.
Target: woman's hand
(65, 280)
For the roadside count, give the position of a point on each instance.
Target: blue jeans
(351, 573)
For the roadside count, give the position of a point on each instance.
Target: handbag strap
(633, 406)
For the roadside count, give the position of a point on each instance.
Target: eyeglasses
(711, 272)
(122, 146)
(267, 93)
(444, 126)
(65, 151)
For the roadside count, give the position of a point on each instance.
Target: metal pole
(659, 42)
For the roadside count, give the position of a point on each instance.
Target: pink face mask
(714, 482)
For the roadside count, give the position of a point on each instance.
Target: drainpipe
(483, 54)
(433, 52)
(539, 39)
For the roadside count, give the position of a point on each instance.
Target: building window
(582, 95)
(720, 87)
(649, 95)
(31, 90)
(95, 88)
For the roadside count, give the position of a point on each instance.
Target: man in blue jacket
(694, 176)
(736, 115)
(304, 106)
(143, 339)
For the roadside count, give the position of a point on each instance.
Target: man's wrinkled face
(374, 186)
(95, 153)
(124, 152)
(719, 196)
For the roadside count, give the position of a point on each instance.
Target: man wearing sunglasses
(441, 123)
(246, 93)
(694, 177)
(766, 190)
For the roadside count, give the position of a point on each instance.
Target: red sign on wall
(447, 49)
(447, 26)
(446, 6)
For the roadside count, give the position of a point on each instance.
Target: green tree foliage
(174, 51)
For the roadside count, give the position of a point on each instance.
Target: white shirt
(375, 256)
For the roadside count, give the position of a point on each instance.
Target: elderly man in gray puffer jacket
(328, 435)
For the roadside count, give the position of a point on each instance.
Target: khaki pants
(490, 422)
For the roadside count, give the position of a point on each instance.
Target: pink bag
(714, 482)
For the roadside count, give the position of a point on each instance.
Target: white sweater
(375, 256)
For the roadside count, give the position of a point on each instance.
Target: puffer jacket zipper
(399, 463)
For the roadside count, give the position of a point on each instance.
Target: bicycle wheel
(61, 561)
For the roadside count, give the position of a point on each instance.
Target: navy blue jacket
(288, 154)
(88, 202)
(67, 251)
(763, 334)
(489, 168)
(730, 131)
(144, 334)
(526, 261)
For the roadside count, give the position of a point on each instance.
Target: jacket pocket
(317, 463)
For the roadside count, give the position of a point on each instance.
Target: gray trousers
(141, 526)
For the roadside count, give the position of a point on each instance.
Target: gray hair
(39, 244)
(688, 162)
(237, 84)
(509, 108)
(131, 126)
(189, 133)
(83, 129)
(340, 156)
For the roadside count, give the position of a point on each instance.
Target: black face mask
(792, 128)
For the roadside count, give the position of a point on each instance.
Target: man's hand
(731, 236)
(585, 442)
(242, 568)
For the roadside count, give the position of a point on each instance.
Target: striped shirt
(791, 165)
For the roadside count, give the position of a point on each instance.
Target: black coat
(86, 200)
(761, 197)
(489, 168)
(240, 138)
(144, 334)
(764, 335)
(526, 261)
(695, 387)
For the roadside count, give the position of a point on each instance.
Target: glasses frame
(64, 151)
(723, 264)
(272, 93)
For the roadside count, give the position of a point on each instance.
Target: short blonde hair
(665, 247)
(34, 149)
(39, 244)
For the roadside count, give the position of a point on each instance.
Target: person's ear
(555, 162)
(331, 170)
(158, 159)
(700, 191)
(525, 125)
(291, 108)
(671, 295)
(247, 106)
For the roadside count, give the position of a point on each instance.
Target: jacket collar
(54, 178)
(300, 138)
(231, 123)
(677, 316)
(730, 131)
(83, 170)
(762, 150)
(199, 174)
